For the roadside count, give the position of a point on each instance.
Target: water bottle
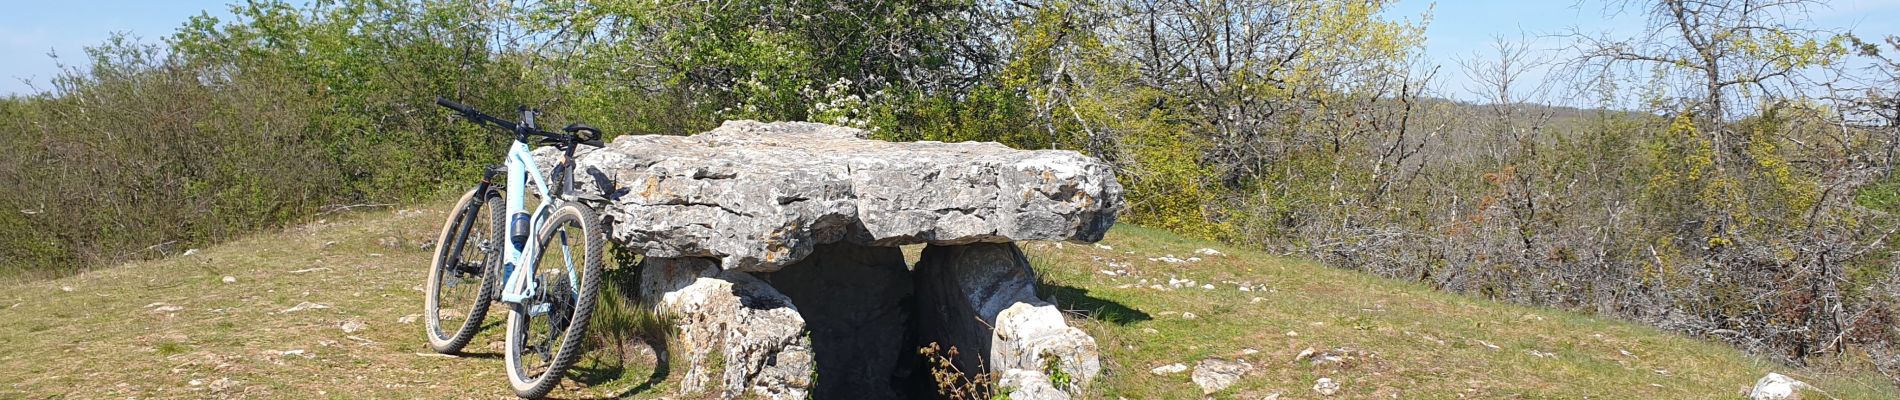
(518, 229)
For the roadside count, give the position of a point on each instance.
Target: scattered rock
(1174, 368)
(304, 306)
(1488, 344)
(1325, 387)
(189, 252)
(408, 319)
(1104, 246)
(1168, 259)
(1338, 356)
(230, 279)
(308, 270)
(1189, 315)
(1776, 386)
(221, 384)
(389, 242)
(1304, 354)
(1214, 374)
(67, 289)
(352, 325)
(164, 308)
(293, 353)
(1210, 252)
(196, 382)
(1540, 354)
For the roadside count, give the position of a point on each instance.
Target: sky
(1458, 28)
(29, 30)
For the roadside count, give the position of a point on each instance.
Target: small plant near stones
(952, 382)
(1052, 366)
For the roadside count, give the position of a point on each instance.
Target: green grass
(1407, 340)
(114, 334)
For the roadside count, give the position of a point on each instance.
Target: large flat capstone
(760, 196)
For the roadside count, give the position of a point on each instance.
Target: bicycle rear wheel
(461, 275)
(547, 331)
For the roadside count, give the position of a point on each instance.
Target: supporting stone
(1029, 385)
(856, 301)
(981, 298)
(734, 321)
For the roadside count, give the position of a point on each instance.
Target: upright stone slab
(993, 283)
(856, 302)
(734, 319)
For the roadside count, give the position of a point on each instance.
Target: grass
(171, 328)
(1405, 340)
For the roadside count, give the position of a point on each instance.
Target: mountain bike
(525, 257)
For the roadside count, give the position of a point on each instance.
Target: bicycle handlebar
(452, 105)
(478, 117)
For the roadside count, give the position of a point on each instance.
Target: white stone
(1214, 375)
(1169, 369)
(1325, 387)
(304, 306)
(353, 325)
(1776, 386)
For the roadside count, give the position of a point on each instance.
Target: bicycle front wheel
(547, 331)
(461, 277)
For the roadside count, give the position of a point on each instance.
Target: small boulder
(1174, 368)
(1778, 387)
(1325, 387)
(353, 325)
(1214, 374)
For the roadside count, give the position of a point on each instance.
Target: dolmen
(774, 248)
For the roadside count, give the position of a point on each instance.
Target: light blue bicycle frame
(518, 262)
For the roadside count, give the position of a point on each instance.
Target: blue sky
(1460, 28)
(29, 30)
